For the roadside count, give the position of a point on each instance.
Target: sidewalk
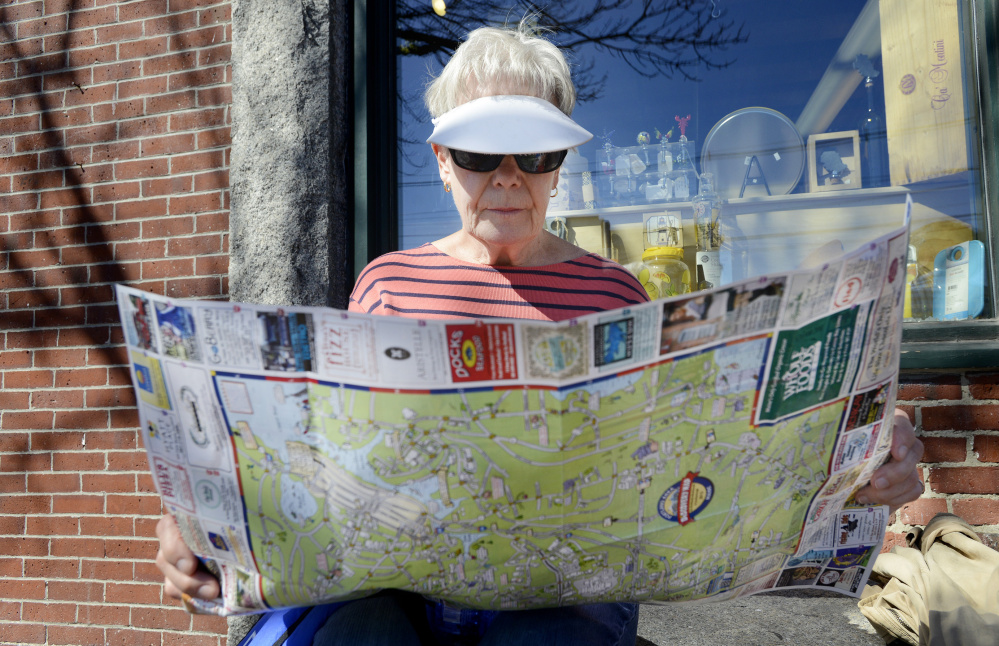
(787, 618)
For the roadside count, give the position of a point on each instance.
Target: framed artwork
(834, 161)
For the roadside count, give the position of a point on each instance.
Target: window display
(802, 135)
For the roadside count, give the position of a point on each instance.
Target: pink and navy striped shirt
(427, 283)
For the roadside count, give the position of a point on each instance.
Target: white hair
(495, 61)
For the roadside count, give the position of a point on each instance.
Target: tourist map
(706, 445)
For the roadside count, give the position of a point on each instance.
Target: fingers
(897, 481)
(179, 565)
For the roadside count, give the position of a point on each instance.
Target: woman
(501, 111)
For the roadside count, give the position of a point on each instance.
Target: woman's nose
(508, 172)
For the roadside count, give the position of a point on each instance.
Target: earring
(447, 187)
(555, 193)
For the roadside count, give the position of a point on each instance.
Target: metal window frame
(925, 344)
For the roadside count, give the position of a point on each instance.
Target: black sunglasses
(534, 163)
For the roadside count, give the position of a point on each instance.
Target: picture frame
(834, 161)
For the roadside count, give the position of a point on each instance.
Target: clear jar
(665, 273)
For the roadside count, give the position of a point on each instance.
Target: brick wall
(957, 418)
(114, 145)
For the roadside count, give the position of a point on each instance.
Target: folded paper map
(704, 445)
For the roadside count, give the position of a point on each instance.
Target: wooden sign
(923, 72)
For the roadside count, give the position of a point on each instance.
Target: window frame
(925, 344)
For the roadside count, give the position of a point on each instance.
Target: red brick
(944, 449)
(24, 504)
(16, 12)
(975, 480)
(87, 215)
(69, 546)
(89, 174)
(126, 210)
(211, 265)
(182, 100)
(205, 37)
(168, 227)
(167, 186)
(48, 25)
(169, 145)
(200, 161)
(110, 397)
(124, 418)
(212, 180)
(50, 613)
(174, 22)
(143, 127)
(121, 150)
(140, 169)
(53, 526)
(198, 119)
(176, 619)
(77, 504)
(112, 440)
(20, 202)
(215, 15)
(134, 504)
(142, 9)
(133, 637)
(87, 295)
(53, 482)
(107, 570)
(81, 377)
(95, 93)
(52, 568)
(142, 87)
(113, 526)
(14, 400)
(145, 48)
(105, 615)
(10, 420)
(194, 288)
(170, 63)
(77, 462)
(24, 633)
(986, 448)
(221, 95)
(23, 546)
(19, 164)
(84, 419)
(920, 512)
(57, 441)
(115, 33)
(139, 593)
(977, 511)
(214, 138)
(968, 417)
(59, 634)
(15, 442)
(57, 399)
(195, 203)
(12, 525)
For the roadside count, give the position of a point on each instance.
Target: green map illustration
(646, 485)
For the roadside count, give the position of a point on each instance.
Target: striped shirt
(427, 283)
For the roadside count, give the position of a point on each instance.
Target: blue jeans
(397, 618)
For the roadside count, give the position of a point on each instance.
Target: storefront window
(807, 124)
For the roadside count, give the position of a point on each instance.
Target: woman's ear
(442, 166)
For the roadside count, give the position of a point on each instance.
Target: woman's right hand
(179, 565)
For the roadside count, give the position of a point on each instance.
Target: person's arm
(897, 481)
(180, 567)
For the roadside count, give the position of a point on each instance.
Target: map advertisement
(702, 446)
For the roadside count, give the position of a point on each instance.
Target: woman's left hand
(897, 481)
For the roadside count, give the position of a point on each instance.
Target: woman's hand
(179, 565)
(897, 481)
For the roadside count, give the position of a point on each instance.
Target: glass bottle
(605, 161)
(668, 273)
(873, 135)
(707, 234)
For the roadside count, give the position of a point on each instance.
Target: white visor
(507, 125)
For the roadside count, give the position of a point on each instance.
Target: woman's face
(503, 208)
